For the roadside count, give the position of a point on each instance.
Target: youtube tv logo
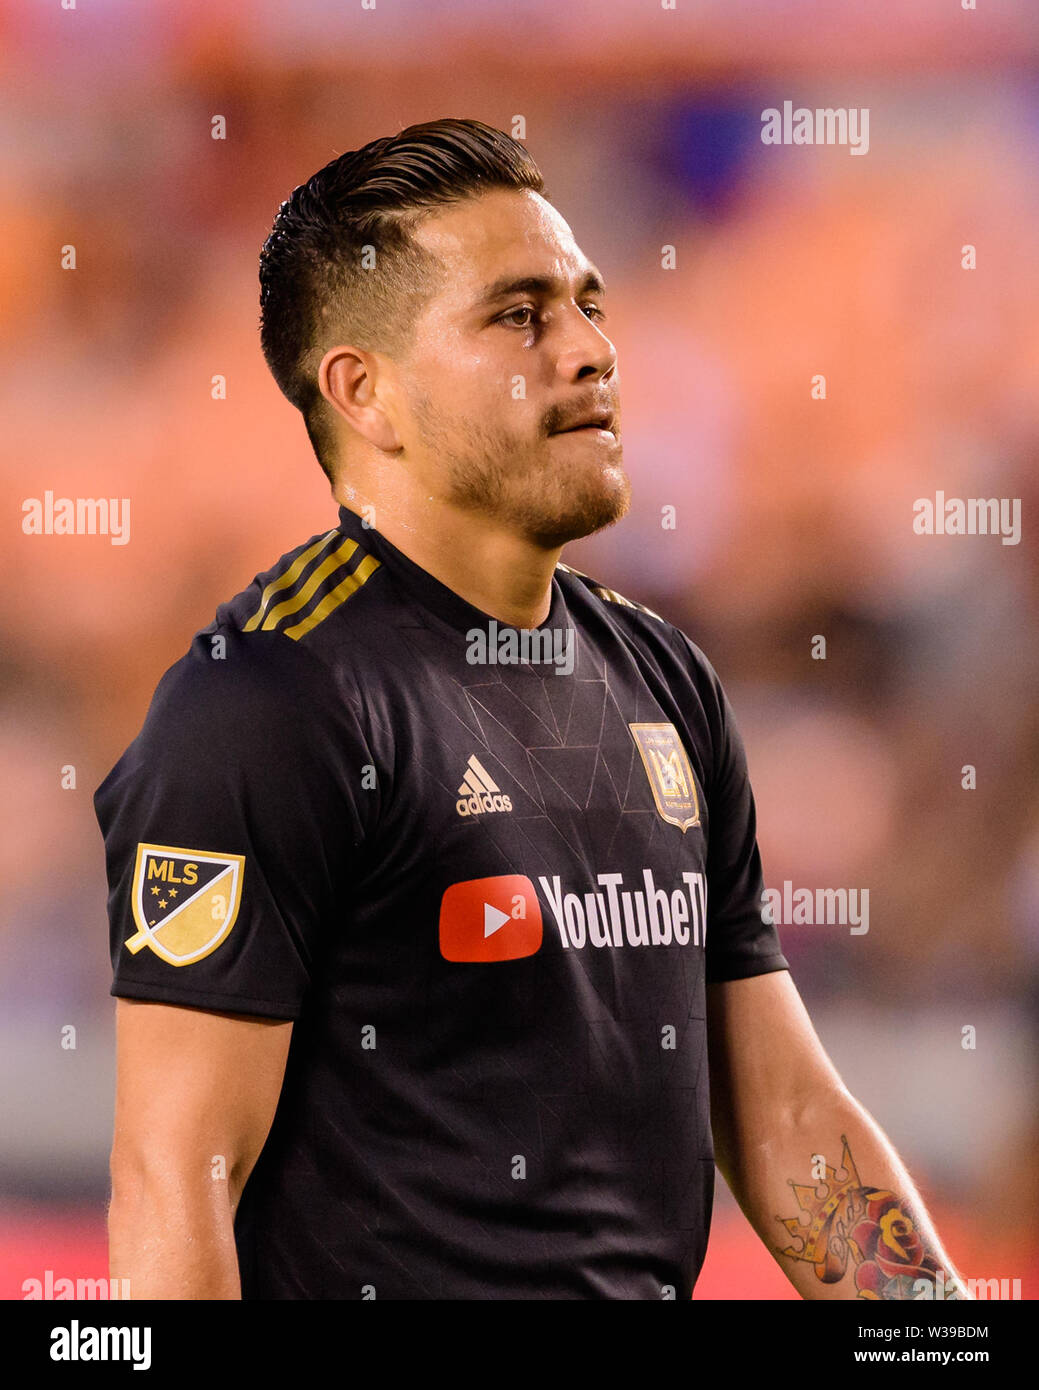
(485, 919)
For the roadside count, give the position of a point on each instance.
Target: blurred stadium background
(794, 516)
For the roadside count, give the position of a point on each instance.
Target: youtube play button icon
(485, 919)
(493, 919)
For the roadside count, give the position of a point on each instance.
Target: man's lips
(599, 419)
(587, 429)
(600, 426)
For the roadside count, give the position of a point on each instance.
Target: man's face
(499, 366)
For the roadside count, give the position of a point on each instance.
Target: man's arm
(811, 1169)
(196, 1094)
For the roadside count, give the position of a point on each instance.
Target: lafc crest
(670, 776)
(184, 902)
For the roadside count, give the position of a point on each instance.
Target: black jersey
(488, 874)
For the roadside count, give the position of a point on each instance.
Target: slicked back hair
(340, 265)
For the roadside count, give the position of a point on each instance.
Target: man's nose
(585, 351)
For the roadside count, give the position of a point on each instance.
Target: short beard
(481, 480)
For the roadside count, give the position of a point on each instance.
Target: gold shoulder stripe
(334, 598)
(610, 595)
(315, 578)
(289, 578)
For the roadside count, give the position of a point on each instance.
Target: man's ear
(348, 378)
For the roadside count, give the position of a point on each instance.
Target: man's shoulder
(297, 595)
(264, 655)
(657, 642)
(258, 684)
(607, 595)
(641, 623)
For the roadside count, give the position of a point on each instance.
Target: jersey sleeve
(232, 825)
(741, 938)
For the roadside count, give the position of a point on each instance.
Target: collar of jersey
(429, 593)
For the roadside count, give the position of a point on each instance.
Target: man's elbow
(171, 1175)
(745, 1137)
(805, 1106)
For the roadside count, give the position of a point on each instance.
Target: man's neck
(502, 574)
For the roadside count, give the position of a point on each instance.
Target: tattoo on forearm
(868, 1229)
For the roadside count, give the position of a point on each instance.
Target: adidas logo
(479, 792)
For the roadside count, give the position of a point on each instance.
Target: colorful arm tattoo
(873, 1231)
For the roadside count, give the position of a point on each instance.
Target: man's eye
(599, 313)
(523, 309)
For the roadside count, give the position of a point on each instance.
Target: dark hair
(315, 289)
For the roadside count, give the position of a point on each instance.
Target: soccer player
(435, 897)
